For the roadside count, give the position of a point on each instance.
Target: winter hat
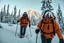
(25, 14)
(48, 14)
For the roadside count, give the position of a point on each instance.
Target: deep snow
(7, 35)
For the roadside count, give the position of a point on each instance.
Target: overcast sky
(24, 5)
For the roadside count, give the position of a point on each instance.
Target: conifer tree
(59, 14)
(7, 16)
(15, 18)
(46, 5)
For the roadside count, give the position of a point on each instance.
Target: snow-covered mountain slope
(7, 35)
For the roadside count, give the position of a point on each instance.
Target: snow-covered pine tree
(15, 11)
(4, 9)
(59, 14)
(60, 18)
(15, 19)
(46, 5)
(11, 18)
(7, 15)
(4, 15)
(1, 15)
(18, 15)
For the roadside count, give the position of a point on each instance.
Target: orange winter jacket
(24, 21)
(46, 29)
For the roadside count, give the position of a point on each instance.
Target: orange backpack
(24, 21)
(51, 22)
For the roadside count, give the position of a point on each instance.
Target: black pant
(44, 40)
(23, 30)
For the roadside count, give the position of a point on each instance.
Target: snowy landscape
(7, 35)
(12, 10)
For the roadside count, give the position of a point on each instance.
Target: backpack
(24, 21)
(52, 22)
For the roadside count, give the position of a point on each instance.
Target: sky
(25, 5)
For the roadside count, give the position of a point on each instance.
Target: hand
(29, 25)
(61, 41)
(17, 21)
(37, 31)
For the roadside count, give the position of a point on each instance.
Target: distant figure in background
(24, 22)
(48, 27)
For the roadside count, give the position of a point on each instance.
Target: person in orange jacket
(48, 27)
(24, 22)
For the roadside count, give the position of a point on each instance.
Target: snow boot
(21, 36)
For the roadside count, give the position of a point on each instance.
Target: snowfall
(7, 34)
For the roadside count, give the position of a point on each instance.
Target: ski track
(7, 35)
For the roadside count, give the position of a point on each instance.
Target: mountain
(34, 16)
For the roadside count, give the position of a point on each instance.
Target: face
(47, 16)
(25, 15)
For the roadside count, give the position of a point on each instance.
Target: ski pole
(30, 32)
(36, 37)
(16, 29)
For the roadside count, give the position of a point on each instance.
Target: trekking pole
(16, 29)
(36, 37)
(30, 32)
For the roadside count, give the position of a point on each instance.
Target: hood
(47, 20)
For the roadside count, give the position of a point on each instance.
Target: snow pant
(23, 30)
(44, 40)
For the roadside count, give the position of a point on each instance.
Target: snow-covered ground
(7, 35)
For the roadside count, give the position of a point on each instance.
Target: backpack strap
(53, 26)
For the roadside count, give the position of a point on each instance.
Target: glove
(29, 25)
(61, 41)
(37, 31)
(17, 21)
